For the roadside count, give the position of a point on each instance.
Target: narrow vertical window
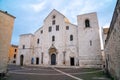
(14, 56)
(57, 27)
(90, 43)
(71, 37)
(50, 29)
(15, 50)
(38, 41)
(23, 46)
(53, 22)
(53, 38)
(87, 23)
(67, 27)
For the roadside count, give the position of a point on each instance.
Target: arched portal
(21, 60)
(53, 59)
(53, 55)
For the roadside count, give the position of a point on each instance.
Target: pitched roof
(55, 11)
(5, 12)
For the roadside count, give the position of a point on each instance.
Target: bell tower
(89, 41)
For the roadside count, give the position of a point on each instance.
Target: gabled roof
(53, 11)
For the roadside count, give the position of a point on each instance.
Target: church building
(61, 43)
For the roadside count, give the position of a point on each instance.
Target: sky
(30, 14)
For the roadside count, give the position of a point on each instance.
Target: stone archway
(53, 59)
(53, 55)
(21, 60)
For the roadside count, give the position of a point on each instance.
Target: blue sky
(31, 13)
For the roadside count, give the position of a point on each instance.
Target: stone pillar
(6, 27)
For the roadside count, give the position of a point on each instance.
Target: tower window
(50, 29)
(53, 38)
(87, 23)
(71, 37)
(57, 27)
(53, 22)
(90, 43)
(67, 27)
(37, 41)
(23, 46)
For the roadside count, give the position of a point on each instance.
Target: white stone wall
(26, 40)
(62, 41)
(89, 55)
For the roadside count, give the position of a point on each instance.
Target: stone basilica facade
(61, 43)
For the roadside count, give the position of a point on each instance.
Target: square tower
(89, 41)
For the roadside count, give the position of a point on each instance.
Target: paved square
(52, 73)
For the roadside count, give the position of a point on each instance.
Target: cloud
(38, 7)
(77, 7)
(34, 12)
(34, 7)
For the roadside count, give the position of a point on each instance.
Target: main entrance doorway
(72, 61)
(37, 60)
(53, 59)
(21, 60)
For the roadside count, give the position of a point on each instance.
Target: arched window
(53, 22)
(41, 31)
(71, 37)
(87, 23)
(50, 29)
(38, 41)
(53, 38)
(67, 27)
(90, 42)
(57, 27)
(23, 46)
(14, 56)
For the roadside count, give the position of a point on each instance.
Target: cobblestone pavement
(51, 73)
